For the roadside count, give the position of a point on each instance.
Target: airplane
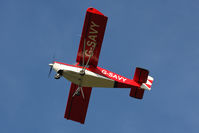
(86, 73)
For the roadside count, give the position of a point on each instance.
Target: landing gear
(82, 72)
(58, 74)
(79, 91)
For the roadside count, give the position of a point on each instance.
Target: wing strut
(88, 59)
(82, 72)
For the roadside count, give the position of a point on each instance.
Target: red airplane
(85, 74)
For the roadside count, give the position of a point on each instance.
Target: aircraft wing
(91, 38)
(77, 105)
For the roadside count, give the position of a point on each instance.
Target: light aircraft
(85, 74)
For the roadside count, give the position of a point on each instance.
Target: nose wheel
(58, 74)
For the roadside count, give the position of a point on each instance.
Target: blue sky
(160, 35)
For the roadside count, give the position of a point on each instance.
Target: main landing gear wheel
(82, 72)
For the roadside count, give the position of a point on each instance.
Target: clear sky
(160, 35)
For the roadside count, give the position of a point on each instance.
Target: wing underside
(91, 38)
(88, 55)
(77, 105)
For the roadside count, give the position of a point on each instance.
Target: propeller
(51, 67)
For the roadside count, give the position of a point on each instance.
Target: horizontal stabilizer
(136, 93)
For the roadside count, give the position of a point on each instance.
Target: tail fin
(140, 75)
(148, 84)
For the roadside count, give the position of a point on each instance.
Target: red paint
(92, 36)
(148, 85)
(141, 75)
(123, 82)
(76, 108)
(150, 81)
(76, 65)
(136, 92)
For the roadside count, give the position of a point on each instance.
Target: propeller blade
(51, 67)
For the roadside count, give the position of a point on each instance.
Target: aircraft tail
(148, 84)
(141, 77)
